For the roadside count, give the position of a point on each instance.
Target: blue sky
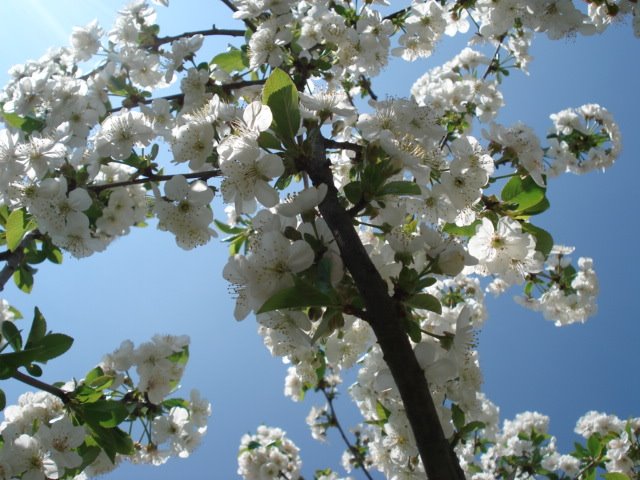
(145, 284)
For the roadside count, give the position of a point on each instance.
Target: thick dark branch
(208, 32)
(154, 178)
(384, 314)
(34, 382)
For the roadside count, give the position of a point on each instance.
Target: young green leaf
(12, 335)
(235, 60)
(400, 188)
(425, 301)
(38, 329)
(15, 228)
(281, 95)
(301, 295)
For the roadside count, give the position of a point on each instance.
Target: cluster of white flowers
(583, 139)
(573, 300)
(268, 454)
(526, 437)
(41, 439)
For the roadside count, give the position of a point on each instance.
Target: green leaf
(400, 188)
(523, 193)
(38, 329)
(382, 412)
(332, 319)
(301, 295)
(457, 415)
(106, 413)
(353, 191)
(412, 327)
(23, 278)
(269, 142)
(3, 400)
(54, 255)
(234, 60)
(424, 301)
(16, 228)
(52, 346)
(281, 96)
(544, 240)
(615, 476)
(466, 231)
(112, 441)
(12, 335)
(34, 370)
(594, 444)
(175, 402)
(26, 124)
(537, 209)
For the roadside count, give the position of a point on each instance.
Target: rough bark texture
(383, 311)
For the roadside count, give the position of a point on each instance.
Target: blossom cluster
(45, 436)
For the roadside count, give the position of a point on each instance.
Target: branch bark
(383, 314)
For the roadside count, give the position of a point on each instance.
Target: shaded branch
(34, 382)
(179, 97)
(209, 32)
(384, 315)
(154, 178)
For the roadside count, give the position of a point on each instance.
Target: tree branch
(209, 32)
(336, 423)
(226, 87)
(384, 315)
(34, 382)
(154, 178)
(234, 9)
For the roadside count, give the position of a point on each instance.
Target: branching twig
(336, 423)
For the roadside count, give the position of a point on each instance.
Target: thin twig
(234, 9)
(494, 63)
(226, 87)
(154, 178)
(399, 13)
(335, 422)
(209, 32)
(366, 84)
